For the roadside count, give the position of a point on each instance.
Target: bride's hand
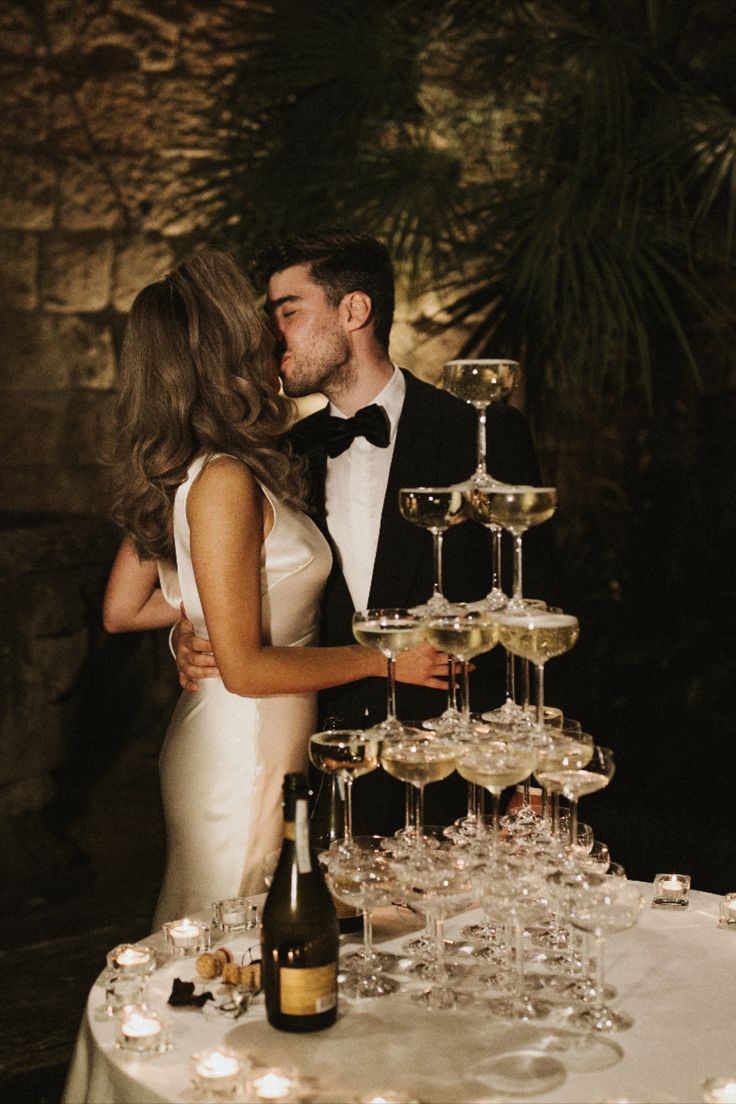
(423, 666)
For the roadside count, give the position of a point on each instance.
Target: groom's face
(312, 346)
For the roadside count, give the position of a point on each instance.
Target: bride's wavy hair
(197, 376)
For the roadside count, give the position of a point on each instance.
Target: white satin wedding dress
(224, 756)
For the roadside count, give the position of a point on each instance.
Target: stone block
(49, 428)
(148, 32)
(208, 38)
(117, 109)
(54, 662)
(28, 190)
(180, 106)
(24, 103)
(139, 261)
(53, 352)
(157, 191)
(18, 269)
(70, 488)
(87, 198)
(76, 273)
(18, 30)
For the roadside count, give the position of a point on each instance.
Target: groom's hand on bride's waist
(193, 654)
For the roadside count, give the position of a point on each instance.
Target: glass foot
(523, 1073)
(519, 1008)
(439, 998)
(361, 986)
(377, 963)
(602, 1020)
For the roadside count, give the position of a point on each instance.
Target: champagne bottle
(299, 933)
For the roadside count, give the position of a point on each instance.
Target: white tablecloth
(675, 973)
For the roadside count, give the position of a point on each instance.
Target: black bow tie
(335, 435)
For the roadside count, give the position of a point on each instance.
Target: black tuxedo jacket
(435, 446)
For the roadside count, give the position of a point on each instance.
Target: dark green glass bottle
(299, 933)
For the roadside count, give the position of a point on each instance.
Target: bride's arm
(225, 513)
(132, 599)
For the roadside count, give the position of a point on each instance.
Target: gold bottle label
(307, 991)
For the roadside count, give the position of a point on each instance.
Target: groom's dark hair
(340, 262)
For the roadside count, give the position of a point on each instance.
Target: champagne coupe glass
(346, 754)
(538, 635)
(602, 908)
(582, 771)
(480, 383)
(389, 631)
(436, 886)
(496, 764)
(435, 509)
(362, 878)
(418, 761)
(516, 509)
(462, 632)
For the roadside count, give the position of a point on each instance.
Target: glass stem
(441, 975)
(556, 815)
(419, 814)
(367, 938)
(600, 971)
(481, 468)
(540, 696)
(409, 813)
(391, 689)
(526, 689)
(496, 796)
(472, 799)
(510, 678)
(465, 668)
(573, 821)
(348, 810)
(518, 570)
(496, 532)
(452, 689)
(437, 535)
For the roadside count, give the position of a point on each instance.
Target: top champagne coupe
(480, 383)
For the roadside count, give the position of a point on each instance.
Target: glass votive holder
(141, 1030)
(131, 959)
(389, 1097)
(277, 1086)
(122, 989)
(720, 1090)
(187, 936)
(217, 1073)
(727, 915)
(235, 914)
(671, 890)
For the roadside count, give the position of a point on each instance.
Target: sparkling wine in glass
(418, 762)
(496, 764)
(462, 632)
(389, 631)
(435, 509)
(480, 383)
(345, 754)
(538, 635)
(516, 509)
(582, 772)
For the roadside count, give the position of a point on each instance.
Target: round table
(675, 973)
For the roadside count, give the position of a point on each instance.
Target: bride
(211, 502)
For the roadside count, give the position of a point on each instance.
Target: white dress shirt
(355, 487)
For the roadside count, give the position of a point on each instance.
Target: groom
(331, 302)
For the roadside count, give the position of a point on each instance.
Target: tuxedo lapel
(401, 545)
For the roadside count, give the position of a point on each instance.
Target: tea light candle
(274, 1086)
(671, 889)
(131, 958)
(216, 1071)
(231, 914)
(728, 911)
(720, 1090)
(184, 935)
(140, 1029)
(388, 1098)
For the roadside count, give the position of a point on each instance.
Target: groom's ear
(356, 310)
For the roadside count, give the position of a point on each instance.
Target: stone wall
(102, 113)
